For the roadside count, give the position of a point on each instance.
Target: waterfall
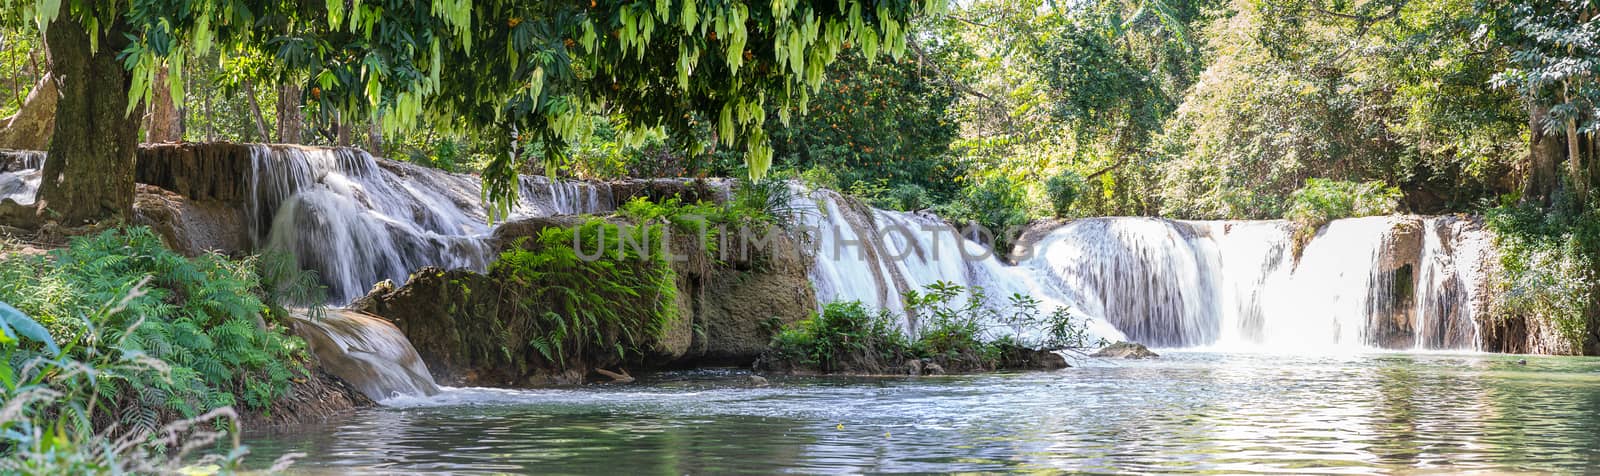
(877, 256)
(20, 174)
(1391, 282)
(368, 352)
(357, 220)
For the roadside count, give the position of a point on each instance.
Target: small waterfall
(20, 175)
(357, 220)
(1392, 282)
(876, 256)
(368, 352)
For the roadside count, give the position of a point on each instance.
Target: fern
(199, 318)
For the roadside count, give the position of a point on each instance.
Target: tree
(511, 71)
(1555, 62)
(885, 121)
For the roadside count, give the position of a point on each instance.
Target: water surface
(1184, 412)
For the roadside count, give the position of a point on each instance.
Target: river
(1184, 412)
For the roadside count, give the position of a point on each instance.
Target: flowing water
(1312, 397)
(1390, 282)
(357, 220)
(1183, 412)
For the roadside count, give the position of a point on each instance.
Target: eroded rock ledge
(469, 333)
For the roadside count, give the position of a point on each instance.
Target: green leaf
(14, 323)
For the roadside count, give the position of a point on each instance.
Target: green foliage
(949, 329)
(1321, 201)
(765, 201)
(885, 123)
(820, 176)
(594, 290)
(1548, 262)
(199, 319)
(1397, 92)
(51, 406)
(845, 336)
(1063, 189)
(952, 329)
(134, 357)
(998, 204)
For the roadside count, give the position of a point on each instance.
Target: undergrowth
(122, 355)
(953, 328)
(615, 297)
(1548, 268)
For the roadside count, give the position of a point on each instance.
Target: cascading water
(368, 352)
(877, 256)
(357, 220)
(1358, 283)
(1394, 282)
(19, 175)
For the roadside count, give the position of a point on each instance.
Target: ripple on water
(1185, 412)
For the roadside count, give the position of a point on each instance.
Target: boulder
(191, 227)
(1125, 350)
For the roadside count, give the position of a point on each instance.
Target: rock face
(727, 311)
(191, 227)
(1125, 350)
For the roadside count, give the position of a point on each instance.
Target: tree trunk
(375, 139)
(1580, 185)
(163, 124)
(255, 112)
(1543, 151)
(289, 116)
(341, 130)
(89, 173)
(31, 126)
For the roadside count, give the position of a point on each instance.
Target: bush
(998, 204)
(952, 330)
(1548, 262)
(203, 318)
(768, 201)
(133, 356)
(612, 300)
(844, 337)
(948, 331)
(1063, 189)
(1321, 201)
(52, 403)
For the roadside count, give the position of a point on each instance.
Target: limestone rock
(1125, 350)
(191, 227)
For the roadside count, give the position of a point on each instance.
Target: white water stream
(1393, 282)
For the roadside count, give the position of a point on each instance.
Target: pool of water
(1185, 412)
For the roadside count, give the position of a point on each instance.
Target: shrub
(952, 329)
(768, 201)
(203, 318)
(948, 329)
(819, 176)
(1321, 201)
(1548, 262)
(616, 303)
(134, 357)
(845, 336)
(51, 404)
(998, 204)
(1063, 189)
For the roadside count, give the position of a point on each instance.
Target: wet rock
(757, 381)
(191, 227)
(914, 367)
(1023, 358)
(932, 368)
(1125, 350)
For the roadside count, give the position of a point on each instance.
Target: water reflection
(1193, 412)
